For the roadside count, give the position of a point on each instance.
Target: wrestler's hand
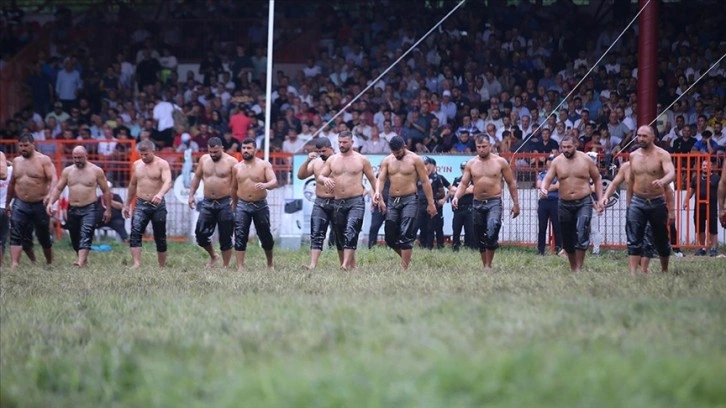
(658, 182)
(312, 156)
(107, 215)
(515, 210)
(49, 209)
(156, 200)
(46, 200)
(382, 207)
(671, 215)
(126, 212)
(722, 217)
(455, 203)
(599, 207)
(329, 184)
(376, 198)
(542, 193)
(192, 202)
(603, 203)
(441, 202)
(431, 210)
(260, 186)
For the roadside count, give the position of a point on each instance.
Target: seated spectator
(375, 145)
(464, 144)
(186, 142)
(546, 145)
(292, 143)
(706, 145)
(117, 221)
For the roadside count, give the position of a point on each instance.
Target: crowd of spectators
(503, 77)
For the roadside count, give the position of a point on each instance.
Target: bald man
(82, 178)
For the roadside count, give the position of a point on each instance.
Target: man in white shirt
(164, 118)
(292, 144)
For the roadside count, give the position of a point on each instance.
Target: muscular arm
(55, 193)
(3, 166)
(107, 196)
(131, 193)
(464, 183)
(50, 174)
(668, 168)
(617, 181)
(194, 185)
(306, 169)
(382, 177)
(270, 177)
(548, 178)
(235, 187)
(368, 172)
(596, 179)
(631, 184)
(165, 178)
(11, 191)
(508, 176)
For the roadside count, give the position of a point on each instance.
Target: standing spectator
(547, 211)
(68, 84)
(163, 115)
(239, 122)
(147, 70)
(41, 90)
(707, 186)
(462, 215)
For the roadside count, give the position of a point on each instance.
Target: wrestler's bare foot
(310, 267)
(14, 266)
(240, 269)
(135, 266)
(213, 261)
(270, 267)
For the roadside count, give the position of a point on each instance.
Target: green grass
(442, 334)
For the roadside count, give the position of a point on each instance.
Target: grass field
(441, 334)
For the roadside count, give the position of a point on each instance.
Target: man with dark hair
(574, 170)
(651, 170)
(251, 179)
(33, 177)
(404, 169)
(82, 178)
(343, 175)
(486, 172)
(215, 210)
(547, 211)
(323, 208)
(435, 227)
(150, 180)
(462, 214)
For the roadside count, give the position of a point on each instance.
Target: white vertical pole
(268, 83)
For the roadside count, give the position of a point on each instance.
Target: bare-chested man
(323, 208)
(150, 180)
(4, 219)
(252, 178)
(34, 176)
(486, 172)
(215, 211)
(343, 175)
(648, 248)
(651, 169)
(722, 196)
(404, 169)
(82, 178)
(574, 171)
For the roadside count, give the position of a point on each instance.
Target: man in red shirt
(239, 123)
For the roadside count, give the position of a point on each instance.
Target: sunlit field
(444, 333)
